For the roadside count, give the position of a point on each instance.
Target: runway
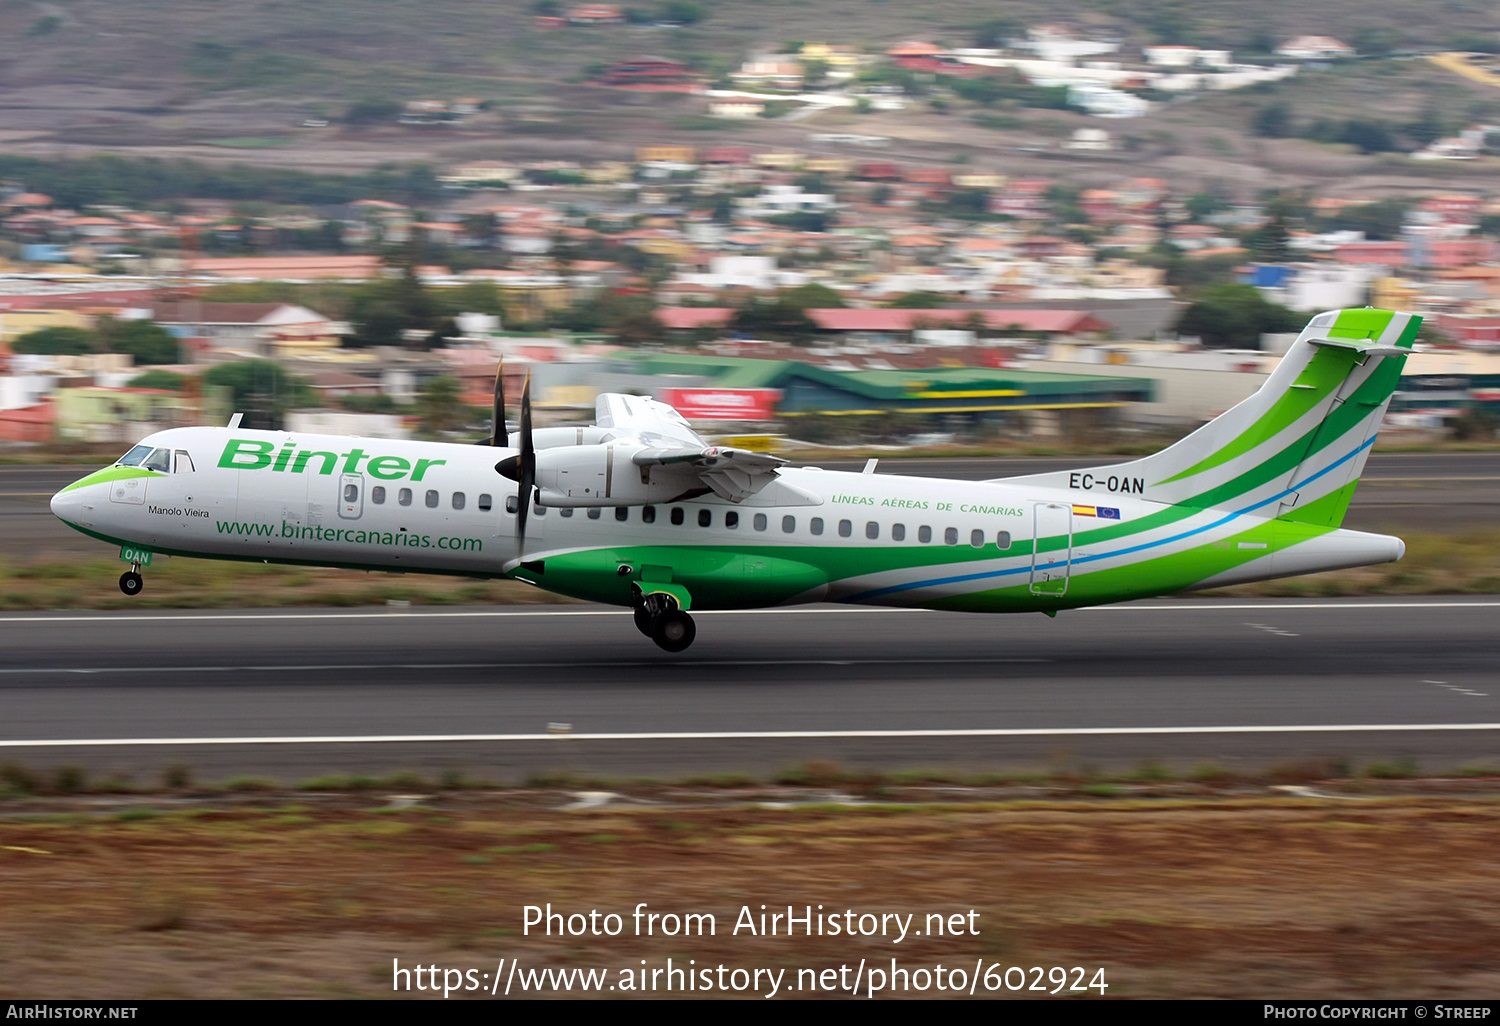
(505, 693)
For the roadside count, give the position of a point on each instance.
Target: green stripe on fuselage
(109, 474)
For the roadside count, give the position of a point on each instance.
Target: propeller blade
(526, 476)
(499, 436)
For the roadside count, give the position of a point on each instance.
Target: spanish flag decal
(1102, 512)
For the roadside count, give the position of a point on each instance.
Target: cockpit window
(134, 457)
(182, 462)
(160, 459)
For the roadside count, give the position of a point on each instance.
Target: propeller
(521, 468)
(499, 436)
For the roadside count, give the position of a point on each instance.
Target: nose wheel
(131, 581)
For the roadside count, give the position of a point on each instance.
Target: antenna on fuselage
(234, 421)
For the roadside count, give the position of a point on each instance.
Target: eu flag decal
(1107, 513)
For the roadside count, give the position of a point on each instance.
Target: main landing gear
(131, 581)
(658, 618)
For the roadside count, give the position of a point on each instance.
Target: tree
(167, 381)
(145, 341)
(813, 296)
(919, 301)
(371, 112)
(439, 407)
(994, 33)
(56, 342)
(1234, 316)
(777, 319)
(1273, 121)
(262, 390)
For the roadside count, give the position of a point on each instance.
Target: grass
(250, 142)
(217, 584)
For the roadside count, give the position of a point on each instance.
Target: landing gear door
(1052, 548)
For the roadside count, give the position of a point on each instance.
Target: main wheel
(131, 583)
(674, 630)
(644, 621)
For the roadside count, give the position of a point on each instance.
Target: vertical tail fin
(1295, 449)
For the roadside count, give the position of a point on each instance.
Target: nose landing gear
(131, 581)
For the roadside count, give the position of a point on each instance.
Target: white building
(1314, 48)
(1105, 102)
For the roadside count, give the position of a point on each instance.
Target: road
(294, 694)
(1451, 491)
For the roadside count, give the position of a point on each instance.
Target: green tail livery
(639, 511)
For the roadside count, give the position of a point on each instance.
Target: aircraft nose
(68, 503)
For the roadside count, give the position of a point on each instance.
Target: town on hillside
(833, 294)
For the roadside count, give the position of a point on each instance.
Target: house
(1314, 48)
(665, 154)
(736, 109)
(253, 327)
(769, 74)
(647, 71)
(596, 14)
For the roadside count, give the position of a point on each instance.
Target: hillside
(188, 77)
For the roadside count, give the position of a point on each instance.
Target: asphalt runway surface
(1450, 491)
(502, 694)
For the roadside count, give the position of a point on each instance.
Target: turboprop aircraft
(639, 511)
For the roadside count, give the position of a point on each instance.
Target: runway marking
(1185, 607)
(748, 735)
(1460, 689)
(627, 663)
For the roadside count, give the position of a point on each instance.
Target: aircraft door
(1052, 548)
(351, 496)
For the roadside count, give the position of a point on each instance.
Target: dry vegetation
(1213, 896)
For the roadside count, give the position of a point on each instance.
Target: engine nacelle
(553, 437)
(603, 475)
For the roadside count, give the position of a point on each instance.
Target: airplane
(637, 510)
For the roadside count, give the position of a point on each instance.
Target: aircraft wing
(646, 420)
(667, 440)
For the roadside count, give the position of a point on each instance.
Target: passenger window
(566, 511)
(924, 534)
(1002, 540)
(760, 521)
(351, 492)
(622, 513)
(458, 500)
(377, 494)
(648, 514)
(486, 502)
(511, 505)
(705, 518)
(788, 525)
(846, 529)
(731, 520)
(432, 498)
(184, 462)
(594, 512)
(976, 538)
(898, 532)
(872, 530)
(404, 497)
(677, 515)
(950, 535)
(815, 525)
(538, 508)
(160, 459)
